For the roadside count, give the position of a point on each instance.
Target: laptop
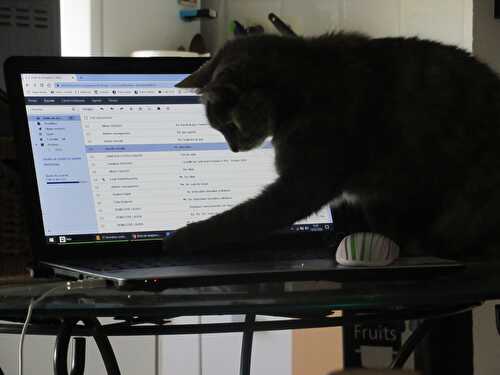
(116, 158)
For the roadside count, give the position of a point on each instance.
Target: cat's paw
(176, 244)
(189, 239)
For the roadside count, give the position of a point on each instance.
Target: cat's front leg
(193, 237)
(281, 204)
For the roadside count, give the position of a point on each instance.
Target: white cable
(33, 302)
(21, 341)
(80, 284)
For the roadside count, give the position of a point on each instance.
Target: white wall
(135, 355)
(76, 28)
(486, 33)
(449, 21)
(130, 25)
(118, 27)
(486, 340)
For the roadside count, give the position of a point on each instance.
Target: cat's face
(233, 105)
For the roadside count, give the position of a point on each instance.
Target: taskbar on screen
(74, 239)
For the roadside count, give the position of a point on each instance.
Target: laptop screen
(129, 157)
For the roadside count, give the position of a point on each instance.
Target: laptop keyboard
(116, 263)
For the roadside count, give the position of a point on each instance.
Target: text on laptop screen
(126, 157)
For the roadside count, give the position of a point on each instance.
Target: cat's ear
(199, 78)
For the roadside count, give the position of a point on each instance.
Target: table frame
(65, 327)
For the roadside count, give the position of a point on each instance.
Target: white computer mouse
(366, 249)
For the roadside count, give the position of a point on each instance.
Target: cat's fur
(411, 127)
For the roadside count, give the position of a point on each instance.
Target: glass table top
(478, 282)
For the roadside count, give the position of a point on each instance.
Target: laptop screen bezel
(14, 68)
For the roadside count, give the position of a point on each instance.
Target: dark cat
(411, 127)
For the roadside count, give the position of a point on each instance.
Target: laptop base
(159, 278)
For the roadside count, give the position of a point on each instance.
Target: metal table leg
(411, 342)
(61, 351)
(246, 345)
(78, 362)
(105, 348)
